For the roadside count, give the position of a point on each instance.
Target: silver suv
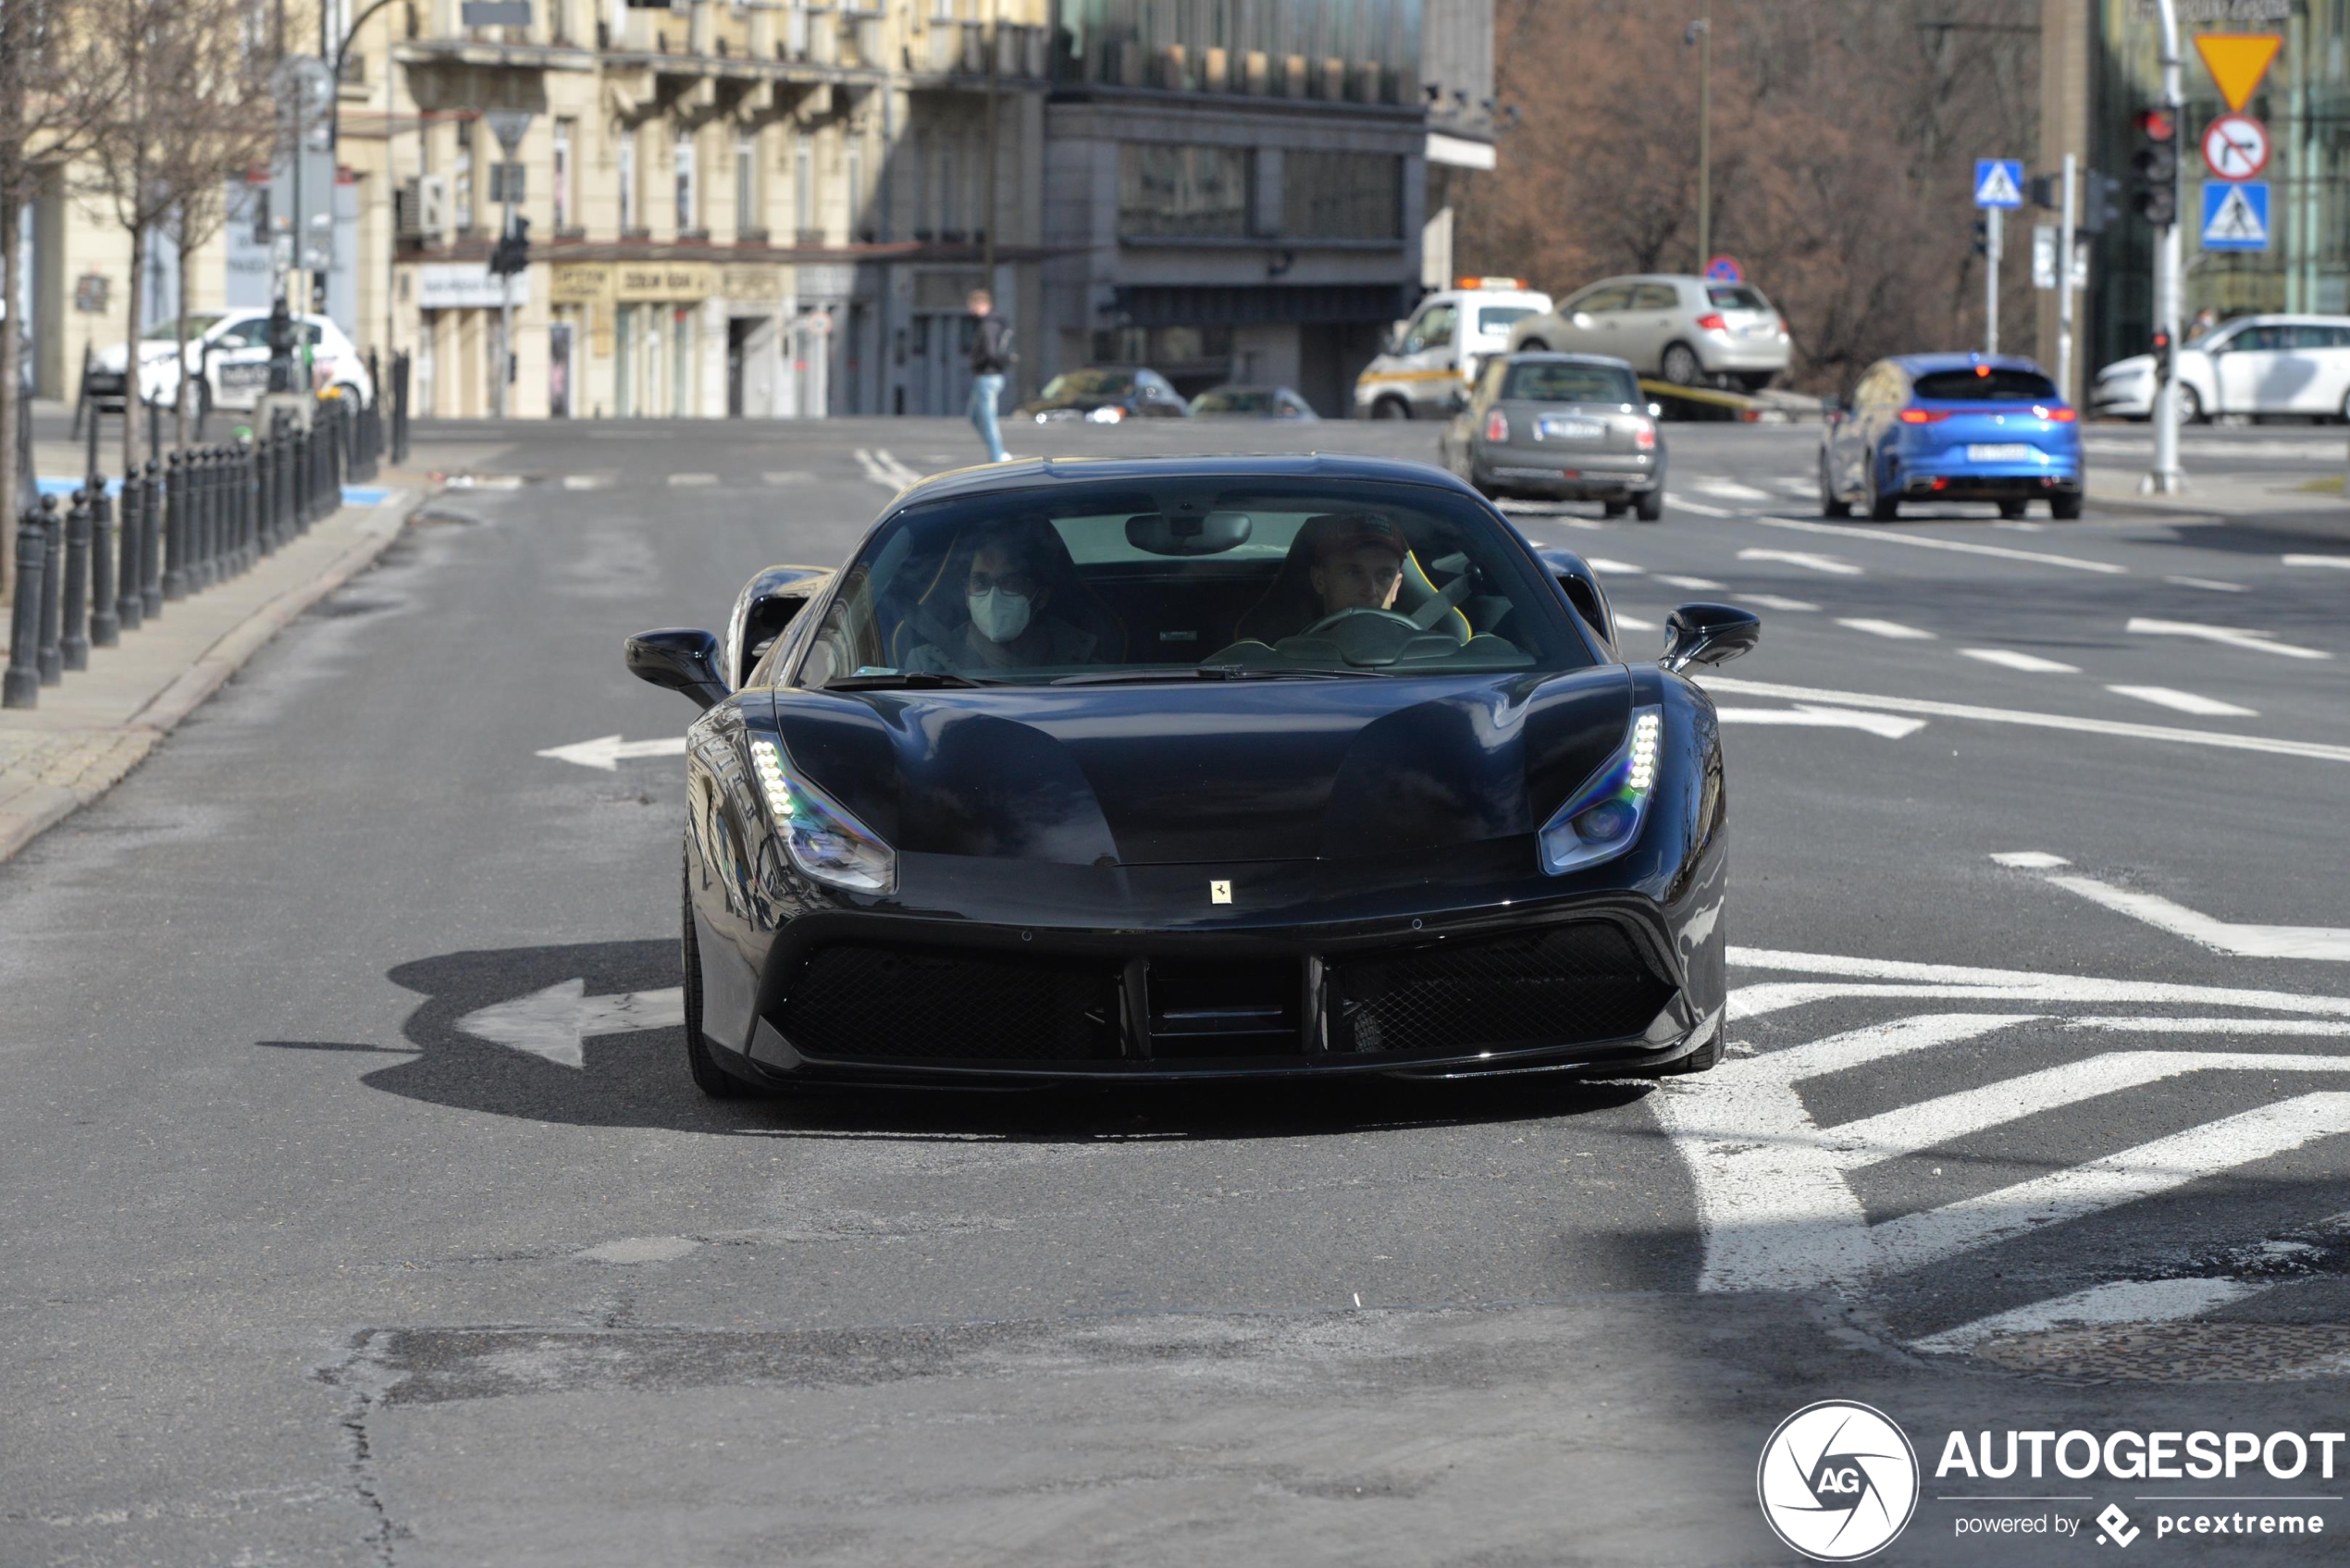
(1685, 330)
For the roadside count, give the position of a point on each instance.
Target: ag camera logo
(1838, 1481)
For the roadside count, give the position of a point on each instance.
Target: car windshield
(1569, 383)
(1232, 399)
(1735, 296)
(198, 324)
(1187, 579)
(1986, 383)
(1090, 384)
(1494, 321)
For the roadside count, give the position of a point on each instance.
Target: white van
(1432, 358)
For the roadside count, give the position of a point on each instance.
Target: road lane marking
(2213, 584)
(877, 473)
(1730, 490)
(1921, 542)
(2122, 1301)
(2031, 664)
(1892, 629)
(1633, 624)
(784, 477)
(691, 481)
(2030, 860)
(1810, 563)
(607, 751)
(1773, 601)
(2324, 944)
(2230, 636)
(883, 456)
(556, 1023)
(1701, 510)
(1614, 568)
(2215, 740)
(2186, 702)
(1884, 724)
(586, 481)
(2021, 985)
(2340, 562)
(1695, 585)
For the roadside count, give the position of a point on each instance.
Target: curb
(40, 808)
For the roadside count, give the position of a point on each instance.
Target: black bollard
(129, 610)
(175, 527)
(264, 461)
(248, 518)
(53, 563)
(73, 639)
(105, 621)
(151, 541)
(207, 517)
(21, 687)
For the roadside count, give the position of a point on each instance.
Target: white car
(2254, 364)
(1432, 360)
(228, 354)
(1687, 330)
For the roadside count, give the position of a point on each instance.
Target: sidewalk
(2283, 504)
(101, 722)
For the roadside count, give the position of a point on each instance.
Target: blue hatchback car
(1952, 427)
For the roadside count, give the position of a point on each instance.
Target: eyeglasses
(1011, 582)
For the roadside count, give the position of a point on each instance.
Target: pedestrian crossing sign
(2235, 216)
(1998, 183)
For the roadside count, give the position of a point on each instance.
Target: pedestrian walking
(991, 355)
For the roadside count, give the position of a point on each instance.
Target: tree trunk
(130, 356)
(11, 351)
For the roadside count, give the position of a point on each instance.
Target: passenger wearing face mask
(1007, 597)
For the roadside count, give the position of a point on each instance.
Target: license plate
(1573, 430)
(2002, 451)
(241, 374)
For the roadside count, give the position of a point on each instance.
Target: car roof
(1914, 365)
(2284, 319)
(1035, 473)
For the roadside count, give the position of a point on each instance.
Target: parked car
(1431, 358)
(2254, 364)
(1950, 427)
(1251, 403)
(1107, 394)
(228, 354)
(1686, 331)
(1560, 426)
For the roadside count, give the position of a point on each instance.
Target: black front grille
(910, 1004)
(1226, 1009)
(1561, 986)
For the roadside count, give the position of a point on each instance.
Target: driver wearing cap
(1357, 564)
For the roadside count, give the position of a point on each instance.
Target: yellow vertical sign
(2237, 61)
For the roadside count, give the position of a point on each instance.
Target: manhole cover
(2179, 1353)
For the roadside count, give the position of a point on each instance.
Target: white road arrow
(556, 1024)
(1891, 727)
(606, 751)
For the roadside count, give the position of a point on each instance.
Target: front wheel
(1681, 366)
(710, 1078)
(1831, 504)
(2190, 405)
(1533, 346)
(1391, 408)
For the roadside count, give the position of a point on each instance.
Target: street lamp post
(2166, 476)
(1701, 34)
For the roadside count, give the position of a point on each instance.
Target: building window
(950, 194)
(688, 197)
(1187, 192)
(750, 216)
(461, 184)
(629, 223)
(856, 178)
(1342, 196)
(803, 189)
(561, 188)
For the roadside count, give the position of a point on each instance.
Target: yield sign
(2237, 61)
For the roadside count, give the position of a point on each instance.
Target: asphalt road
(2043, 987)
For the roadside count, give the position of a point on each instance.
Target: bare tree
(54, 93)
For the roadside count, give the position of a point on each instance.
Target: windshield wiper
(917, 679)
(1218, 673)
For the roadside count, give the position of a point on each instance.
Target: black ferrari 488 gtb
(1196, 768)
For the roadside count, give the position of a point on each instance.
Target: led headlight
(827, 843)
(1603, 819)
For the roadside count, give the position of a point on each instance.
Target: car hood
(1161, 774)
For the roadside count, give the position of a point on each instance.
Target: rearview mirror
(1210, 532)
(681, 660)
(1709, 633)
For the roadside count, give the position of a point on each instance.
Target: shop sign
(752, 284)
(682, 281)
(467, 285)
(580, 283)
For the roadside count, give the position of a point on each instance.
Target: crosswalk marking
(1730, 490)
(1921, 541)
(2186, 702)
(2230, 636)
(1695, 585)
(2211, 585)
(2010, 658)
(1682, 505)
(691, 481)
(1891, 629)
(1614, 568)
(1809, 562)
(2340, 561)
(1773, 601)
(2325, 944)
(586, 481)
(2122, 1301)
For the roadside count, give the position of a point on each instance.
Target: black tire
(1614, 508)
(1882, 507)
(1391, 408)
(2190, 405)
(2012, 508)
(1753, 381)
(710, 1078)
(1681, 365)
(1831, 504)
(2065, 508)
(1705, 1059)
(1649, 505)
(1532, 346)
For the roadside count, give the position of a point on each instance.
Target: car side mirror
(1709, 633)
(681, 660)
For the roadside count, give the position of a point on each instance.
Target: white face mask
(1000, 616)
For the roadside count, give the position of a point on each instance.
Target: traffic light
(1982, 237)
(2156, 166)
(512, 253)
(2100, 203)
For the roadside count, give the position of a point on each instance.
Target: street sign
(508, 125)
(1724, 269)
(2235, 216)
(2044, 255)
(2237, 61)
(495, 13)
(1998, 183)
(2235, 147)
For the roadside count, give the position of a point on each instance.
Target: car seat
(1291, 604)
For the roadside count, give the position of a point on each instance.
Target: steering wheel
(1392, 617)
